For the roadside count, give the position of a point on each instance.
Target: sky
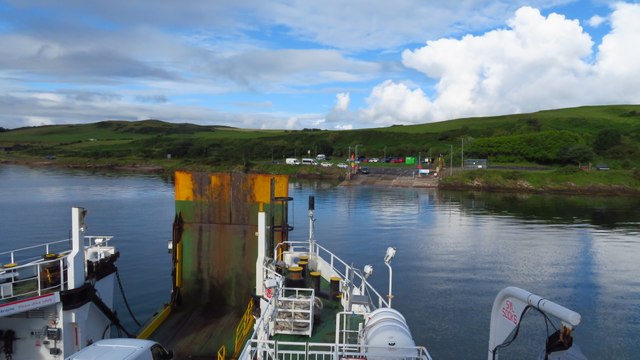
(295, 64)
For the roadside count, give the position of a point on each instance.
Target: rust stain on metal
(217, 215)
(219, 244)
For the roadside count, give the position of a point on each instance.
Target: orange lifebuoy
(269, 293)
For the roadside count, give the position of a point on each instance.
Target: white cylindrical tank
(386, 335)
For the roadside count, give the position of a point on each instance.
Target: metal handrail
(259, 344)
(89, 241)
(290, 350)
(334, 261)
(243, 328)
(33, 279)
(32, 274)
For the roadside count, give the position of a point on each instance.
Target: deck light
(391, 252)
(368, 270)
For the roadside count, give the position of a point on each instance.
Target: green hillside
(597, 134)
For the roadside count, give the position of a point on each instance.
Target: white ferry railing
(337, 265)
(259, 346)
(30, 253)
(269, 273)
(39, 269)
(33, 279)
(348, 334)
(289, 350)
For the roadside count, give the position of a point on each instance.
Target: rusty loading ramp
(214, 254)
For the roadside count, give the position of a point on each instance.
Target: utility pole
(355, 170)
(451, 167)
(357, 151)
(349, 162)
(462, 154)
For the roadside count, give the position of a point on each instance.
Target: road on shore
(392, 176)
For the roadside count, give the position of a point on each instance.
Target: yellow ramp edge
(261, 187)
(153, 325)
(183, 185)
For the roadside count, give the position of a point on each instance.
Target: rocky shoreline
(567, 188)
(392, 177)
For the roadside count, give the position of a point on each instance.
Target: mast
(311, 221)
(262, 249)
(76, 259)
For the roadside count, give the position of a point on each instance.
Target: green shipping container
(410, 160)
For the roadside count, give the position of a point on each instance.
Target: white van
(123, 349)
(292, 161)
(309, 162)
(321, 157)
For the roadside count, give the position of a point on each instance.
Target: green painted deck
(325, 325)
(193, 332)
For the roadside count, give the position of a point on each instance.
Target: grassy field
(124, 131)
(563, 180)
(586, 119)
(553, 139)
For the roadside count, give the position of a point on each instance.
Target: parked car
(364, 170)
(602, 167)
(343, 165)
(397, 160)
(326, 164)
(125, 349)
(374, 160)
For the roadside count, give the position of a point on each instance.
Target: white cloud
(357, 24)
(394, 103)
(34, 109)
(537, 62)
(618, 60)
(340, 117)
(177, 62)
(268, 69)
(292, 123)
(344, 127)
(300, 121)
(38, 121)
(342, 102)
(368, 24)
(596, 20)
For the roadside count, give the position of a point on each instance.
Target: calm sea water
(456, 250)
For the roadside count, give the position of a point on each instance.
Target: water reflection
(456, 250)
(602, 211)
(135, 208)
